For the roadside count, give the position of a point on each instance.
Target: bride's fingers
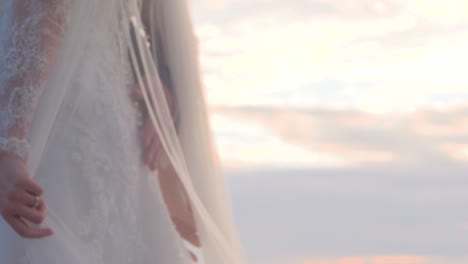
(42, 207)
(136, 92)
(26, 231)
(28, 213)
(147, 133)
(153, 153)
(151, 145)
(158, 150)
(193, 256)
(146, 138)
(29, 185)
(148, 151)
(24, 198)
(188, 231)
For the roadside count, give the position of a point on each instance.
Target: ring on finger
(37, 201)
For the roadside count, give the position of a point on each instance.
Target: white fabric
(191, 151)
(104, 205)
(34, 30)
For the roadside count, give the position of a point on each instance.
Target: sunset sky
(342, 126)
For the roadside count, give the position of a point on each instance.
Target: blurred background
(342, 126)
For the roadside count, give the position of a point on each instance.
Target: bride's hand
(172, 189)
(180, 208)
(151, 145)
(17, 195)
(152, 148)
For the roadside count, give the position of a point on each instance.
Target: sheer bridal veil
(190, 150)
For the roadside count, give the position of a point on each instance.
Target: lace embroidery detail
(97, 139)
(15, 145)
(106, 157)
(27, 45)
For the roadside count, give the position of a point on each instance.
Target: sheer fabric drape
(88, 29)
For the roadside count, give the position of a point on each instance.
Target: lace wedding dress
(104, 205)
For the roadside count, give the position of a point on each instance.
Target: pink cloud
(353, 260)
(352, 137)
(398, 260)
(454, 123)
(316, 262)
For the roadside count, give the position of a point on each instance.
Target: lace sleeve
(30, 44)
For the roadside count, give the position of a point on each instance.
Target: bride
(105, 149)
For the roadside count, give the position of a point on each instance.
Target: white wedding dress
(105, 206)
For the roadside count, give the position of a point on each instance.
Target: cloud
(341, 127)
(354, 9)
(346, 137)
(450, 11)
(273, 55)
(411, 205)
(399, 260)
(453, 11)
(244, 144)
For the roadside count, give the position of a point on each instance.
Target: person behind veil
(105, 149)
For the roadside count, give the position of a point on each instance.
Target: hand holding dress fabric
(149, 140)
(35, 31)
(173, 191)
(21, 198)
